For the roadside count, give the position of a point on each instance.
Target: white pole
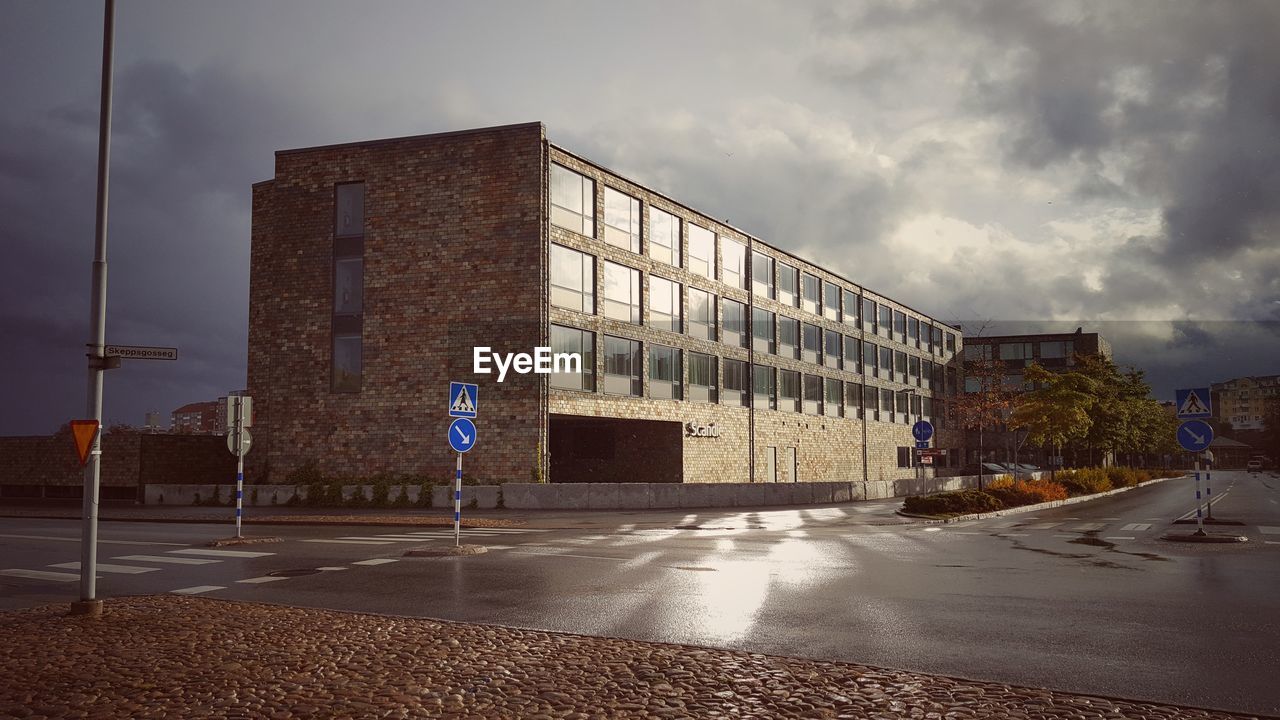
(1199, 518)
(457, 506)
(1208, 486)
(238, 403)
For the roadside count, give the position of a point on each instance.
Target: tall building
(195, 418)
(1243, 401)
(379, 268)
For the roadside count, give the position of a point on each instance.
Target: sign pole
(457, 505)
(1199, 518)
(1208, 486)
(239, 405)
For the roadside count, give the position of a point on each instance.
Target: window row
(723, 380)
(573, 208)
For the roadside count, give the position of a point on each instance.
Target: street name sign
(1195, 435)
(83, 432)
(462, 435)
(464, 400)
(1193, 403)
(140, 352)
(922, 430)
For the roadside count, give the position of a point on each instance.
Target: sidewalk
(169, 656)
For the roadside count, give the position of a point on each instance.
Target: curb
(455, 551)
(928, 520)
(245, 540)
(1212, 539)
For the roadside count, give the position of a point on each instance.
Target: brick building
(195, 418)
(377, 267)
(1244, 401)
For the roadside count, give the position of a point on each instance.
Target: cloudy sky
(1108, 164)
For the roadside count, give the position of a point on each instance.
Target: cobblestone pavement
(168, 656)
(264, 516)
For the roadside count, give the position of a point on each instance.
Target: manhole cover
(295, 573)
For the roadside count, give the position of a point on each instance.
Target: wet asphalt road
(1085, 598)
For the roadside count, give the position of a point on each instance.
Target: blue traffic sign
(922, 430)
(1193, 403)
(462, 435)
(1195, 435)
(464, 400)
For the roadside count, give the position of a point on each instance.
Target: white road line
(100, 541)
(199, 589)
(41, 575)
(109, 568)
(587, 557)
(500, 547)
(1269, 529)
(169, 560)
(1087, 527)
(260, 580)
(1117, 537)
(375, 561)
(932, 529)
(221, 553)
(1136, 527)
(349, 541)
(333, 568)
(1271, 542)
(965, 532)
(411, 538)
(1013, 534)
(1043, 526)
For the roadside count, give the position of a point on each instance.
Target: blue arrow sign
(1195, 435)
(464, 400)
(462, 435)
(1193, 403)
(922, 430)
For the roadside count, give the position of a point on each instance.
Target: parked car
(1253, 466)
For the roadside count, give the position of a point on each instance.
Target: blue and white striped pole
(457, 506)
(1199, 508)
(239, 485)
(1208, 486)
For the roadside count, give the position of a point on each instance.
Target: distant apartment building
(220, 425)
(1243, 401)
(197, 418)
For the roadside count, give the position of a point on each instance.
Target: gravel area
(170, 656)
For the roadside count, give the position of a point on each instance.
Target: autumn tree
(985, 401)
(1057, 411)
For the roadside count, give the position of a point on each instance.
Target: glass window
(886, 363)
(870, 359)
(917, 408)
(664, 237)
(976, 353)
(850, 305)
(703, 378)
(853, 400)
(901, 408)
(665, 374)
(913, 370)
(788, 285)
(664, 304)
(762, 275)
(702, 251)
(870, 402)
(900, 326)
(937, 340)
(913, 331)
(886, 404)
(788, 337)
(900, 366)
(926, 336)
(831, 348)
(762, 388)
(702, 314)
(852, 360)
(1015, 351)
(621, 293)
(833, 397)
(926, 408)
(573, 201)
(830, 301)
(884, 324)
(735, 382)
(762, 330)
(348, 219)
(927, 371)
(939, 383)
(348, 285)
(810, 297)
(789, 390)
(813, 394)
(868, 315)
(904, 457)
(733, 263)
(347, 368)
(572, 340)
(621, 220)
(811, 343)
(573, 279)
(951, 343)
(1054, 349)
(735, 323)
(622, 366)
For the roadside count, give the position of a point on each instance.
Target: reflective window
(702, 251)
(833, 397)
(884, 323)
(830, 301)
(870, 402)
(621, 293)
(573, 279)
(900, 326)
(665, 374)
(622, 366)
(788, 285)
(735, 382)
(348, 218)
(812, 394)
(572, 201)
(664, 304)
(621, 220)
(735, 323)
(868, 315)
(831, 348)
(762, 275)
(811, 293)
(347, 367)
(702, 314)
(789, 390)
(762, 330)
(572, 340)
(852, 356)
(733, 263)
(850, 306)
(789, 337)
(811, 343)
(763, 388)
(853, 400)
(664, 237)
(703, 378)
(348, 285)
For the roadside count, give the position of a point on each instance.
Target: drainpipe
(751, 364)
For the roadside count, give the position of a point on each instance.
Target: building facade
(708, 355)
(195, 419)
(1244, 401)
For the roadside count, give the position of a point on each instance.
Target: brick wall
(454, 257)
(128, 460)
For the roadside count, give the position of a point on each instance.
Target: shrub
(381, 489)
(1085, 481)
(1023, 492)
(304, 475)
(424, 494)
(1000, 482)
(957, 502)
(1122, 477)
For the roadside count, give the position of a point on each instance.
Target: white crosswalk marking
(374, 561)
(100, 541)
(166, 560)
(263, 579)
(1136, 527)
(109, 568)
(199, 589)
(1117, 537)
(350, 541)
(41, 575)
(221, 553)
(1269, 529)
(1088, 527)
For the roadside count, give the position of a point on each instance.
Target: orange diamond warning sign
(84, 431)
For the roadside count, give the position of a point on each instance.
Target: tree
(1058, 410)
(984, 402)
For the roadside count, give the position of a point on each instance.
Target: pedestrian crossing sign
(463, 399)
(1193, 403)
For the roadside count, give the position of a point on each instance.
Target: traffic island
(450, 551)
(243, 540)
(1203, 537)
